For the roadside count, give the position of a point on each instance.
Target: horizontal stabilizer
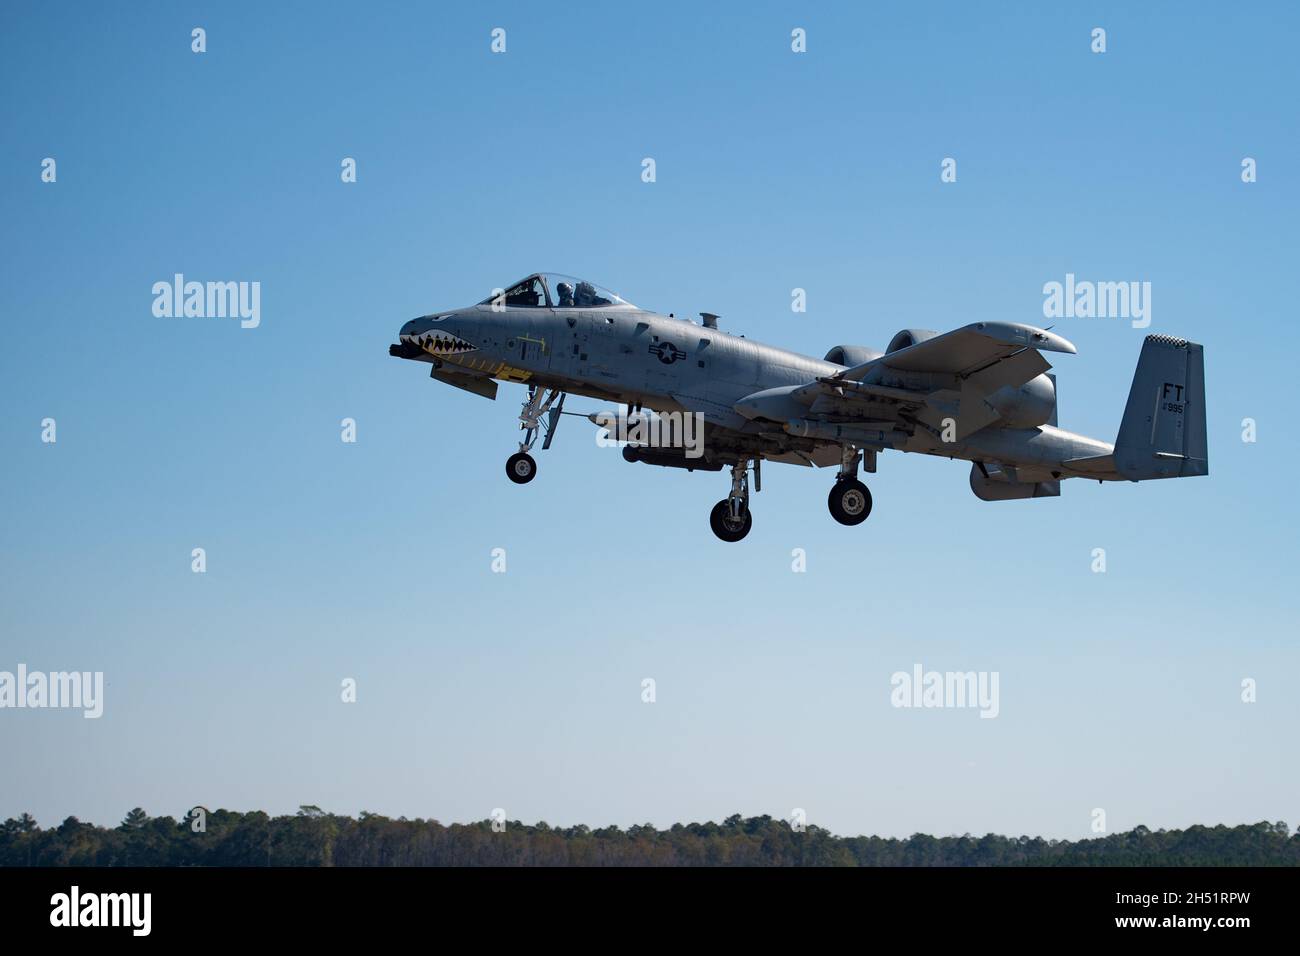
(1100, 467)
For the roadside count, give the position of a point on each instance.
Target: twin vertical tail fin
(1162, 434)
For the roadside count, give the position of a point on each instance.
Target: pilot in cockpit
(565, 292)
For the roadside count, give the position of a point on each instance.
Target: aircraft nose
(416, 326)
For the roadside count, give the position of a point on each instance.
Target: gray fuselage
(627, 355)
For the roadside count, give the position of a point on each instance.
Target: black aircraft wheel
(726, 527)
(849, 501)
(521, 468)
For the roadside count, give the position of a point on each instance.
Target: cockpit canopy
(552, 290)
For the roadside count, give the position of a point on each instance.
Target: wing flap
(974, 412)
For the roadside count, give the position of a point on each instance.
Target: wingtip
(1019, 333)
(1051, 342)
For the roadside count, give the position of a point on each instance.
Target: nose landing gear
(520, 467)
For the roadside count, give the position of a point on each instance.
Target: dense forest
(315, 838)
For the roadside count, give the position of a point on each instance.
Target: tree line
(312, 837)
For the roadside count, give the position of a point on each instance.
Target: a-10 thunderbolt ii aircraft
(981, 393)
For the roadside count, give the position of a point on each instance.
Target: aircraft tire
(849, 501)
(520, 468)
(724, 527)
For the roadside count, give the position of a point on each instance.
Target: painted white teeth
(442, 343)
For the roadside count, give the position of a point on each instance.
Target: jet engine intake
(909, 337)
(851, 355)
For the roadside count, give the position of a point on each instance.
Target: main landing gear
(730, 518)
(520, 467)
(849, 500)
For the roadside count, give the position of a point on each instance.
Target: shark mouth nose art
(440, 343)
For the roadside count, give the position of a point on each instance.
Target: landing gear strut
(520, 467)
(849, 500)
(730, 518)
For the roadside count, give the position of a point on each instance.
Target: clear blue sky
(775, 170)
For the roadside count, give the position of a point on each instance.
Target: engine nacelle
(909, 337)
(1025, 406)
(851, 355)
(999, 486)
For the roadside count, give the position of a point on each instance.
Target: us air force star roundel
(667, 352)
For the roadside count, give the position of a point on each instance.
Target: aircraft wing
(714, 412)
(965, 367)
(967, 350)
